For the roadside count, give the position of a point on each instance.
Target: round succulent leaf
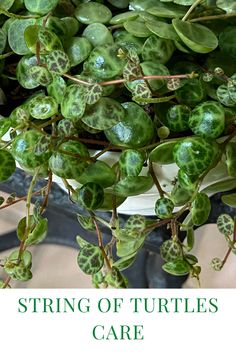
(43, 107)
(135, 222)
(123, 17)
(41, 75)
(98, 34)
(142, 5)
(98, 172)
(177, 267)
(207, 120)
(157, 49)
(104, 114)
(221, 186)
(77, 49)
(70, 26)
(23, 149)
(66, 128)
(180, 195)
(16, 37)
(194, 155)
(227, 5)
(6, 4)
(91, 12)
(104, 63)
(200, 209)
(140, 90)
(170, 250)
(137, 28)
(162, 30)
(74, 102)
(41, 7)
(3, 40)
(124, 262)
(90, 259)
(197, 37)
(129, 247)
(224, 97)
(227, 46)
(93, 93)
(131, 162)
(163, 153)
(161, 9)
(135, 130)
(23, 73)
(154, 68)
(120, 4)
(130, 185)
(225, 224)
(7, 165)
(48, 40)
(177, 118)
(90, 195)
(164, 208)
(192, 93)
(66, 166)
(58, 62)
(230, 152)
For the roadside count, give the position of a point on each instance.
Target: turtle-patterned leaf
(116, 279)
(225, 224)
(86, 222)
(58, 62)
(136, 222)
(201, 208)
(177, 267)
(93, 93)
(131, 162)
(42, 145)
(74, 102)
(41, 75)
(170, 250)
(7, 165)
(90, 259)
(131, 71)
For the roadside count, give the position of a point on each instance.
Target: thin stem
(157, 224)
(6, 282)
(226, 257)
(9, 14)
(190, 10)
(77, 80)
(100, 243)
(100, 153)
(5, 55)
(102, 221)
(67, 185)
(155, 180)
(53, 120)
(213, 17)
(79, 156)
(153, 99)
(45, 202)
(113, 27)
(21, 199)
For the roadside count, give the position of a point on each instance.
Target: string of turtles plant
(153, 79)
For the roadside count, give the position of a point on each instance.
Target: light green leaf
(178, 267)
(133, 185)
(41, 7)
(229, 199)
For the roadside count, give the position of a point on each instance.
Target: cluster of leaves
(157, 78)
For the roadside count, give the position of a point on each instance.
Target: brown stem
(226, 257)
(190, 10)
(6, 282)
(21, 199)
(53, 120)
(77, 80)
(45, 202)
(100, 153)
(155, 180)
(82, 158)
(100, 243)
(157, 224)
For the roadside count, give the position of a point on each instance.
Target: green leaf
(43, 107)
(86, 222)
(164, 49)
(162, 30)
(74, 102)
(167, 10)
(90, 195)
(77, 49)
(108, 200)
(57, 88)
(41, 7)
(116, 279)
(225, 224)
(197, 37)
(231, 158)
(16, 38)
(227, 46)
(40, 75)
(178, 267)
(227, 5)
(58, 62)
(221, 186)
(92, 12)
(81, 241)
(135, 130)
(171, 250)
(93, 93)
(131, 162)
(133, 185)
(137, 28)
(38, 230)
(7, 165)
(104, 114)
(201, 208)
(98, 172)
(129, 247)
(90, 259)
(3, 40)
(98, 34)
(5, 124)
(229, 199)
(6, 4)
(153, 68)
(124, 262)
(180, 195)
(136, 223)
(190, 238)
(23, 74)
(163, 153)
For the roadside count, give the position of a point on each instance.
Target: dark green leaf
(229, 199)
(90, 259)
(178, 267)
(225, 224)
(7, 165)
(201, 208)
(133, 185)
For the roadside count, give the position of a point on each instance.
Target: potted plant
(114, 100)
